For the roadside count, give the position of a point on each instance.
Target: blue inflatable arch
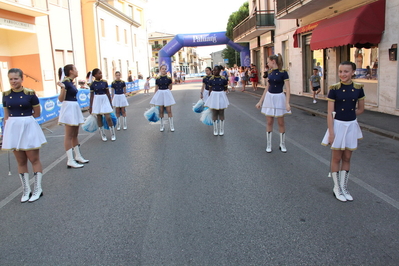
(202, 39)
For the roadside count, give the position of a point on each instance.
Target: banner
(83, 97)
(49, 108)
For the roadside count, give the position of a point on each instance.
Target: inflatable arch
(202, 39)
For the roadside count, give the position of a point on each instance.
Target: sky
(191, 16)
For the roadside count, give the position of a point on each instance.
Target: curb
(366, 127)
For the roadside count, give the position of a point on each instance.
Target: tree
(235, 18)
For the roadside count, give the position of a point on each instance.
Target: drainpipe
(98, 35)
(133, 43)
(52, 51)
(70, 30)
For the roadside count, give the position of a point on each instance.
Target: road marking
(45, 170)
(374, 191)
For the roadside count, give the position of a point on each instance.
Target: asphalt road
(190, 198)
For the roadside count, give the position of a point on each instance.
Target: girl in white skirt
(163, 97)
(101, 104)
(274, 103)
(217, 100)
(205, 87)
(119, 100)
(70, 115)
(22, 133)
(343, 130)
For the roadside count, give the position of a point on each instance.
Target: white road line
(374, 191)
(45, 170)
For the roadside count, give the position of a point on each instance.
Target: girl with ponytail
(70, 115)
(274, 103)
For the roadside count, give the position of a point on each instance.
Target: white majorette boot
(221, 127)
(124, 123)
(269, 142)
(337, 189)
(37, 189)
(171, 126)
(71, 163)
(162, 127)
(215, 128)
(26, 191)
(344, 176)
(78, 157)
(118, 123)
(282, 143)
(102, 133)
(113, 136)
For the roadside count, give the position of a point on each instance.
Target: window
(366, 61)
(285, 54)
(164, 42)
(130, 11)
(69, 57)
(125, 35)
(156, 43)
(59, 58)
(117, 33)
(65, 4)
(105, 68)
(120, 65)
(102, 25)
(135, 40)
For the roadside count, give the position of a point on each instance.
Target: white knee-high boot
(215, 128)
(162, 127)
(26, 191)
(113, 136)
(37, 189)
(344, 176)
(102, 133)
(171, 125)
(78, 156)
(337, 188)
(221, 127)
(269, 142)
(282, 142)
(118, 123)
(124, 123)
(71, 163)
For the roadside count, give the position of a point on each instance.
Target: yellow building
(158, 40)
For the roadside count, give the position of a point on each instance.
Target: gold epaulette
(223, 77)
(335, 86)
(67, 79)
(6, 93)
(29, 91)
(103, 80)
(357, 85)
(212, 77)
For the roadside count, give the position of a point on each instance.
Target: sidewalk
(383, 124)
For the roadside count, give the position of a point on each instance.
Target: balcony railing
(263, 18)
(283, 5)
(33, 8)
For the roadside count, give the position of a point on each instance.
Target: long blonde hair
(278, 59)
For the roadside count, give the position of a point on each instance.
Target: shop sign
(10, 24)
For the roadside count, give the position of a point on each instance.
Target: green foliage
(235, 18)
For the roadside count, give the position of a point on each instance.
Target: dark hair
(148, 77)
(117, 72)
(210, 69)
(95, 71)
(88, 74)
(349, 63)
(316, 69)
(66, 70)
(218, 67)
(16, 70)
(279, 60)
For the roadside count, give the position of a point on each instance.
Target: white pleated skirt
(119, 100)
(274, 105)
(101, 105)
(205, 95)
(347, 133)
(23, 133)
(70, 114)
(163, 98)
(217, 100)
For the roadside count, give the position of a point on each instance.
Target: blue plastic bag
(206, 117)
(90, 124)
(152, 114)
(113, 118)
(199, 106)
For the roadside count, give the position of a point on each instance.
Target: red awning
(363, 25)
(304, 29)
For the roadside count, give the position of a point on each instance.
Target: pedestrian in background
(217, 100)
(243, 78)
(163, 97)
(101, 103)
(254, 77)
(345, 103)
(205, 84)
(70, 115)
(315, 84)
(147, 86)
(22, 133)
(119, 100)
(274, 103)
(232, 77)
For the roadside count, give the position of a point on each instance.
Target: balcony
(254, 26)
(33, 8)
(296, 9)
(157, 47)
